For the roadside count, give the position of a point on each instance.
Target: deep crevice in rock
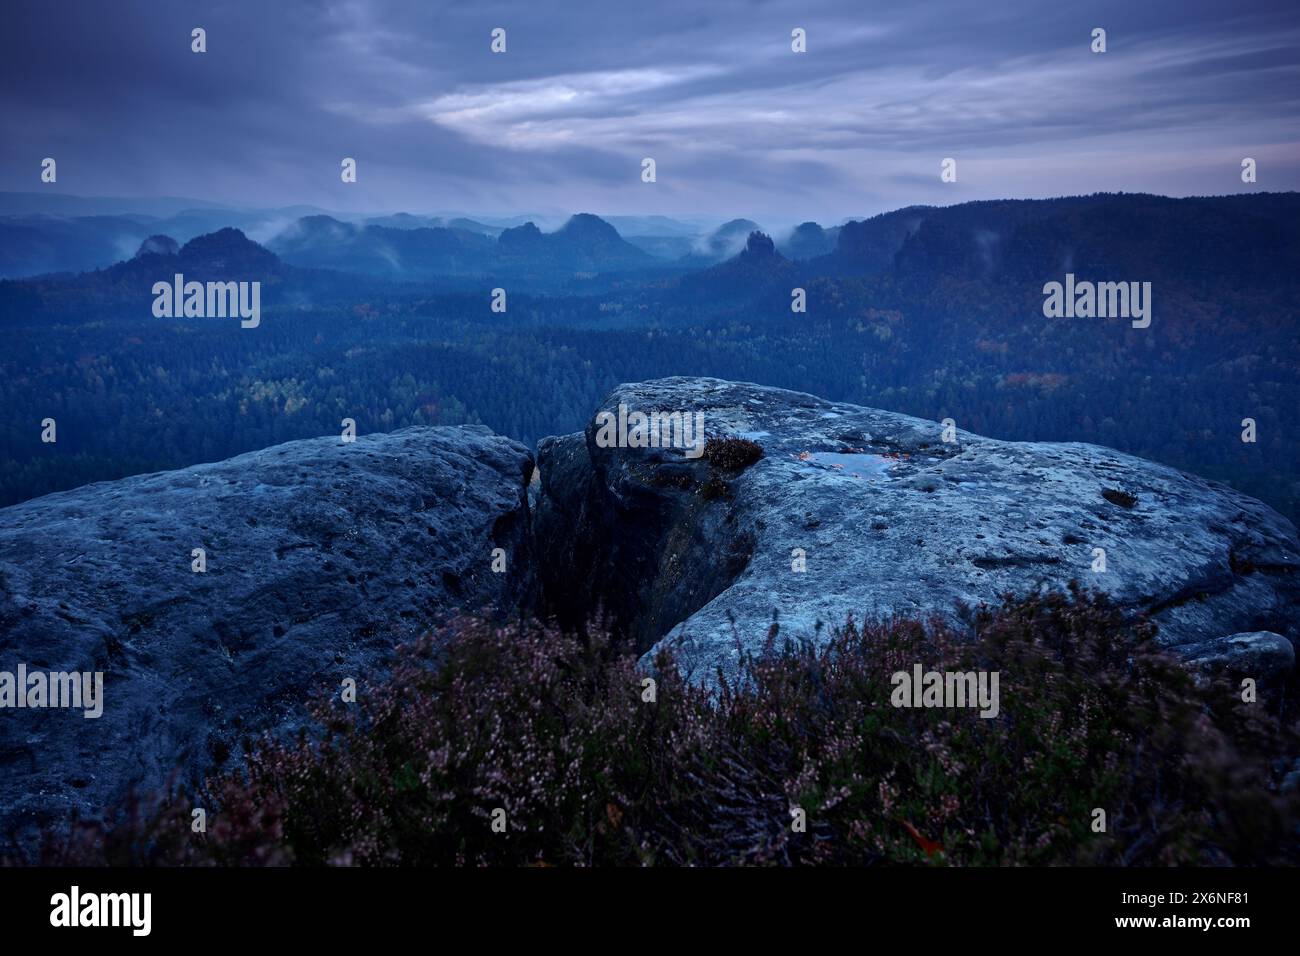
(638, 543)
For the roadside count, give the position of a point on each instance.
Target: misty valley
(916, 311)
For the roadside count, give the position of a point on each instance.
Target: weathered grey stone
(1263, 655)
(321, 556)
(906, 524)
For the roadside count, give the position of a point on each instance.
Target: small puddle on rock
(851, 464)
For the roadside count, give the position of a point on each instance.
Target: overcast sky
(736, 122)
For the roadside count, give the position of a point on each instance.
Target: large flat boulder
(320, 556)
(886, 518)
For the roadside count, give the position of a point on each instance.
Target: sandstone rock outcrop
(320, 557)
(887, 518)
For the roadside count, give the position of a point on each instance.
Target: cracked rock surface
(889, 519)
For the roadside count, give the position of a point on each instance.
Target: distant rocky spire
(760, 244)
(158, 245)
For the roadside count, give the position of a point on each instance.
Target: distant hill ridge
(1251, 237)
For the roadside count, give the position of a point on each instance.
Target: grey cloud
(738, 124)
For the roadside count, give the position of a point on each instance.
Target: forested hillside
(932, 312)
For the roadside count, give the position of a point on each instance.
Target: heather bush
(553, 729)
(732, 454)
